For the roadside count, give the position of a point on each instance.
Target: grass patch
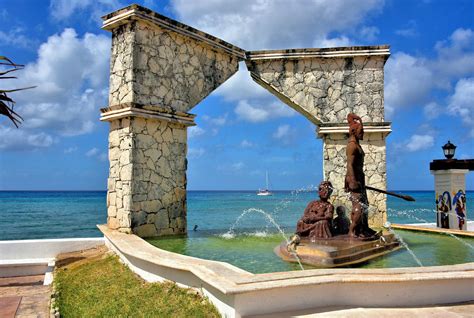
(105, 287)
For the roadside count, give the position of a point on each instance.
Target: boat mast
(266, 177)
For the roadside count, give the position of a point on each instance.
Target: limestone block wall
(334, 169)
(159, 70)
(147, 180)
(325, 84)
(154, 66)
(121, 65)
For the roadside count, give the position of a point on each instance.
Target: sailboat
(266, 191)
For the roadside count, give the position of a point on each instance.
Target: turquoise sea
(250, 244)
(59, 214)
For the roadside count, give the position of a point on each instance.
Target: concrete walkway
(24, 296)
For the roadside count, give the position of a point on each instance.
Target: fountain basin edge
(238, 293)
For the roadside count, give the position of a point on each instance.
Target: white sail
(266, 191)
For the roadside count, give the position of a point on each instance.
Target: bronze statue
(340, 224)
(355, 180)
(316, 221)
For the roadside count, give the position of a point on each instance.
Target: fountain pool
(246, 240)
(253, 251)
(239, 273)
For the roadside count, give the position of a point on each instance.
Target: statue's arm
(312, 217)
(329, 212)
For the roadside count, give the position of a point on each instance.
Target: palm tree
(6, 103)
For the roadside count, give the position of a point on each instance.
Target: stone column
(159, 70)
(325, 85)
(334, 165)
(147, 179)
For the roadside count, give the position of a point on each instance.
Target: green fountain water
(254, 251)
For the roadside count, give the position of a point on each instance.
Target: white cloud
(70, 150)
(461, 103)
(241, 86)
(332, 42)
(257, 25)
(432, 110)
(71, 75)
(419, 142)
(92, 152)
(285, 134)
(407, 82)
(282, 131)
(369, 33)
(195, 131)
(409, 79)
(15, 37)
(246, 144)
(97, 154)
(63, 9)
(231, 168)
(237, 166)
(409, 33)
(21, 139)
(259, 113)
(455, 55)
(409, 30)
(196, 152)
(103, 156)
(218, 121)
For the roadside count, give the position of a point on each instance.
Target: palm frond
(7, 103)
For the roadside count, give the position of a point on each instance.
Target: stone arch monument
(160, 69)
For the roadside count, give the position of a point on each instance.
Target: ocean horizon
(40, 214)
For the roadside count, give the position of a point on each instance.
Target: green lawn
(106, 288)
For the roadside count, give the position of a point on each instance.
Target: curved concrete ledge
(238, 293)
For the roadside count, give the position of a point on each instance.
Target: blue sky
(242, 130)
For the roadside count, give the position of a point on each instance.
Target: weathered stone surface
(147, 183)
(324, 89)
(334, 170)
(175, 68)
(151, 65)
(162, 220)
(147, 230)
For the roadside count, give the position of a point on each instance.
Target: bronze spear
(401, 196)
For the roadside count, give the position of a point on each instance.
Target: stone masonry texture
(147, 180)
(158, 64)
(325, 90)
(162, 73)
(334, 170)
(154, 66)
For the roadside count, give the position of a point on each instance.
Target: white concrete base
(36, 257)
(238, 293)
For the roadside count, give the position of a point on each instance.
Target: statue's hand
(353, 184)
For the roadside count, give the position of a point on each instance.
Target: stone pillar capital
(166, 114)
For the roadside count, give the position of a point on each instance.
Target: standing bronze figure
(355, 180)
